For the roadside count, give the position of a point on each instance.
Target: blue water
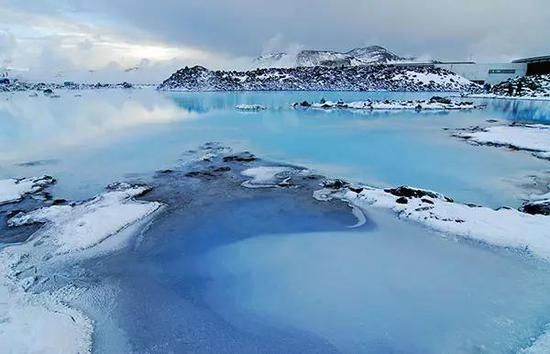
(225, 269)
(106, 135)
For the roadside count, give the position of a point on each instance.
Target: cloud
(76, 34)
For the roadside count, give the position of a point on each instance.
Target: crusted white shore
(503, 227)
(35, 318)
(529, 137)
(13, 190)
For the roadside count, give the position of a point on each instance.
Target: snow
(263, 176)
(393, 105)
(13, 190)
(250, 107)
(530, 137)
(540, 346)
(41, 322)
(502, 227)
(81, 226)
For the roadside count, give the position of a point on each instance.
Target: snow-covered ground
(434, 104)
(81, 226)
(12, 190)
(503, 227)
(529, 137)
(38, 321)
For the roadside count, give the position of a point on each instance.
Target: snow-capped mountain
(358, 56)
(319, 78)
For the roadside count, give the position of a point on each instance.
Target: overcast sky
(56, 35)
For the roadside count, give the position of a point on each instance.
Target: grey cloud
(445, 29)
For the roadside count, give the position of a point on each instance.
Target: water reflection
(107, 135)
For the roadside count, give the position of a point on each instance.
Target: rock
(402, 200)
(537, 208)
(48, 92)
(439, 99)
(334, 183)
(240, 157)
(305, 104)
(409, 192)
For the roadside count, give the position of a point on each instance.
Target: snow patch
(34, 320)
(80, 226)
(502, 227)
(529, 137)
(13, 190)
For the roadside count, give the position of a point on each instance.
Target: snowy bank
(434, 104)
(503, 227)
(250, 107)
(80, 226)
(13, 190)
(529, 137)
(40, 324)
(36, 276)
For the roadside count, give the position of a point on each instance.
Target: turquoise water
(225, 269)
(106, 135)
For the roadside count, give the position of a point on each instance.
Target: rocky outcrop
(319, 78)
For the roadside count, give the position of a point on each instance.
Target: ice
(81, 226)
(250, 107)
(12, 190)
(270, 176)
(530, 137)
(541, 345)
(503, 227)
(40, 324)
(35, 320)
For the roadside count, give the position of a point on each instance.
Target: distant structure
(536, 65)
(492, 73)
(482, 73)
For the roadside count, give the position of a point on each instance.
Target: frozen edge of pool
(13, 190)
(69, 233)
(503, 227)
(534, 138)
(51, 244)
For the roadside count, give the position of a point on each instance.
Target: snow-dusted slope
(536, 86)
(319, 78)
(357, 56)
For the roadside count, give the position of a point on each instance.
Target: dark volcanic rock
(347, 78)
(408, 192)
(334, 183)
(240, 157)
(438, 99)
(537, 208)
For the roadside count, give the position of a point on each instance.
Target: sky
(57, 37)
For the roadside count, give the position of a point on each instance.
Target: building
(492, 73)
(536, 65)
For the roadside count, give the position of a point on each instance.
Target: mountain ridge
(373, 54)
